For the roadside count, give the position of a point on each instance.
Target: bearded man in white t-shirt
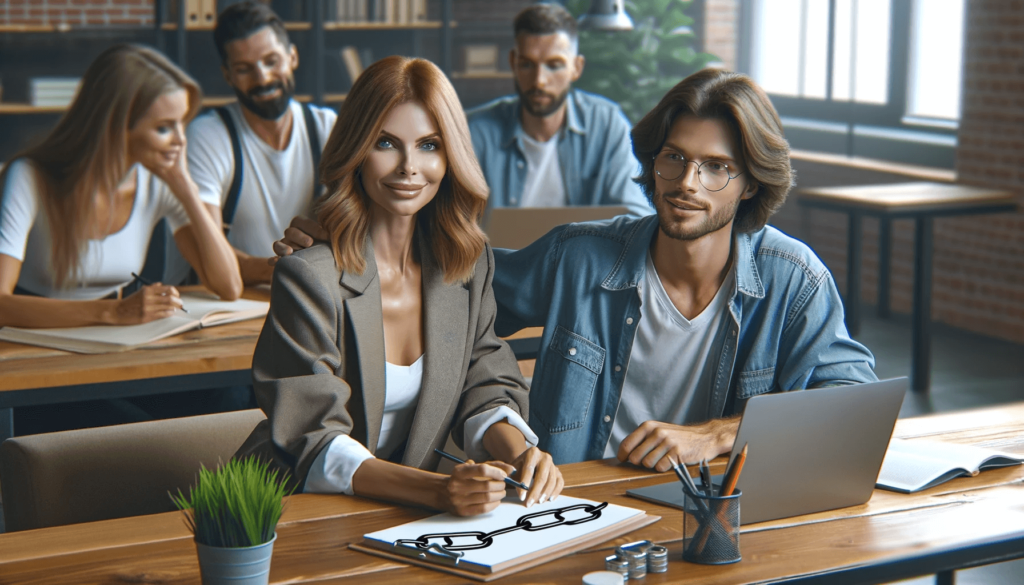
(255, 160)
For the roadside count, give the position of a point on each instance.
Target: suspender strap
(314, 146)
(231, 204)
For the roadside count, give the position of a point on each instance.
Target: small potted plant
(233, 513)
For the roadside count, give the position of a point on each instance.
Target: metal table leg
(921, 343)
(6, 424)
(853, 263)
(945, 578)
(884, 264)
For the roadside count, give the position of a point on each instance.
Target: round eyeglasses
(712, 174)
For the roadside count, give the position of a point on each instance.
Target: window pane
(872, 51)
(776, 46)
(936, 53)
(868, 22)
(816, 50)
(842, 58)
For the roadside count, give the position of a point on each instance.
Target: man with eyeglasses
(657, 330)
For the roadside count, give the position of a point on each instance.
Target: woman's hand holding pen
(149, 303)
(475, 488)
(538, 471)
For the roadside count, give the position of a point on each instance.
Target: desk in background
(922, 202)
(201, 359)
(964, 522)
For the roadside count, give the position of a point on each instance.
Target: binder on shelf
(193, 11)
(481, 58)
(207, 13)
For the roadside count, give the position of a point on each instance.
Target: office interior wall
(982, 259)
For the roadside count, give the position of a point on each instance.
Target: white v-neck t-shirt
(107, 264)
(277, 185)
(668, 357)
(336, 464)
(543, 186)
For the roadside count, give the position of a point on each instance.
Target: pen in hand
(148, 282)
(508, 480)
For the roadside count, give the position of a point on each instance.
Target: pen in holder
(711, 528)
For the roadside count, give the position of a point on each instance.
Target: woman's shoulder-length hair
(746, 108)
(450, 220)
(87, 151)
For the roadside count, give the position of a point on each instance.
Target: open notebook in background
(517, 227)
(498, 543)
(204, 310)
(911, 466)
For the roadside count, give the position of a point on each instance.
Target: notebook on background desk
(809, 450)
(517, 227)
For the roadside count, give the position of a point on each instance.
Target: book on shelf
(53, 91)
(204, 310)
(481, 58)
(353, 64)
(382, 11)
(916, 465)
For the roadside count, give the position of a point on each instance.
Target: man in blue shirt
(551, 145)
(657, 330)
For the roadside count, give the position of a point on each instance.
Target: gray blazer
(318, 370)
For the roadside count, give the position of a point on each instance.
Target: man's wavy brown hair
(450, 220)
(745, 107)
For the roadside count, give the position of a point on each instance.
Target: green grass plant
(236, 505)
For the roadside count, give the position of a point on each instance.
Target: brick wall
(76, 12)
(721, 29)
(980, 277)
(978, 281)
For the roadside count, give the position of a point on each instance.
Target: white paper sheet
(511, 545)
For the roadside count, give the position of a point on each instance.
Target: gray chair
(94, 474)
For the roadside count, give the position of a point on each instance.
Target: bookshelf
(61, 49)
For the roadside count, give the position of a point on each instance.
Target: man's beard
(717, 220)
(556, 101)
(268, 109)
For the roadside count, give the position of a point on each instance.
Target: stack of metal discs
(619, 565)
(637, 563)
(657, 559)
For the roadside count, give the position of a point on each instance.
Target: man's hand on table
(656, 445)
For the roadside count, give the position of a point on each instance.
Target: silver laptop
(518, 227)
(809, 450)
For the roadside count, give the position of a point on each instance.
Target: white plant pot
(235, 566)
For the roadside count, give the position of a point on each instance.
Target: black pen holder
(711, 529)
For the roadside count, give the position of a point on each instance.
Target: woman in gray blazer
(381, 342)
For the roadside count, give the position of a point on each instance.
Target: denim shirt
(783, 329)
(594, 153)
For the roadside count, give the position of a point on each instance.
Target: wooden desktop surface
(923, 197)
(949, 520)
(215, 349)
(223, 348)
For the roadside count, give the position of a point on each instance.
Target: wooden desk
(964, 522)
(922, 202)
(195, 360)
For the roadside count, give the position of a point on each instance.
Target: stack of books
(385, 11)
(481, 59)
(53, 91)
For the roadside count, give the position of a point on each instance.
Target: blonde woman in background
(77, 210)
(380, 342)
